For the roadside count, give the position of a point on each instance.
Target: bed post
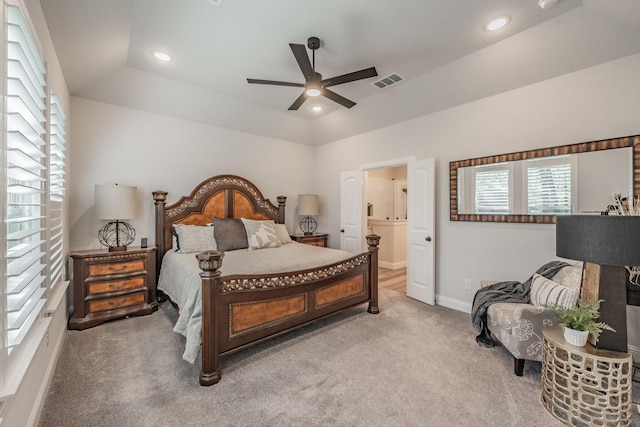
(373, 240)
(209, 262)
(159, 199)
(281, 202)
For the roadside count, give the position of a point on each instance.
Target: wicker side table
(585, 386)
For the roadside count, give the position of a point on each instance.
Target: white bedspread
(180, 279)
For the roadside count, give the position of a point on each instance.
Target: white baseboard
(635, 352)
(454, 304)
(392, 265)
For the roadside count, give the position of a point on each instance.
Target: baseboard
(635, 352)
(454, 304)
(392, 265)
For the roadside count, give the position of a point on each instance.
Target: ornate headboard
(222, 196)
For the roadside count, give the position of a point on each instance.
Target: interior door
(351, 211)
(420, 230)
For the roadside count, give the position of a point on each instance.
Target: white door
(420, 230)
(351, 211)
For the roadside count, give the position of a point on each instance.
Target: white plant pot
(577, 338)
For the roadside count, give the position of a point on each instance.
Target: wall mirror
(514, 187)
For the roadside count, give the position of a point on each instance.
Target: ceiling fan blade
(300, 52)
(274, 82)
(337, 98)
(299, 101)
(346, 78)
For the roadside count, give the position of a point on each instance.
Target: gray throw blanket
(511, 291)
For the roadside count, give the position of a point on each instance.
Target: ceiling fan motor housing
(313, 43)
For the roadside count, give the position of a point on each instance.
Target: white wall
(596, 103)
(156, 152)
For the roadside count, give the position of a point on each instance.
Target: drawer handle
(119, 268)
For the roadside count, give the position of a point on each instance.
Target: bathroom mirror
(590, 169)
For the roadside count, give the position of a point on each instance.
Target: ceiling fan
(314, 85)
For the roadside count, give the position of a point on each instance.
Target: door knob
(428, 239)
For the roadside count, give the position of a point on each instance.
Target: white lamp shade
(308, 205)
(115, 201)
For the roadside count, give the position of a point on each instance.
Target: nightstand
(111, 285)
(315, 239)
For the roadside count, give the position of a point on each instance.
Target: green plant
(582, 317)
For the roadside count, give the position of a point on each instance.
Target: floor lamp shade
(600, 239)
(308, 206)
(115, 202)
(611, 242)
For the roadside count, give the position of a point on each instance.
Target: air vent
(385, 82)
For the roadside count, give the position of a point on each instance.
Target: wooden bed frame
(243, 310)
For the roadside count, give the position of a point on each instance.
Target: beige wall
(596, 103)
(156, 152)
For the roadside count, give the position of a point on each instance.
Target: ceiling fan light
(313, 89)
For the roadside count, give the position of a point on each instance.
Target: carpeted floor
(410, 365)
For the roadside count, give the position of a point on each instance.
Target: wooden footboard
(240, 311)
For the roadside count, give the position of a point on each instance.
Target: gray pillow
(229, 233)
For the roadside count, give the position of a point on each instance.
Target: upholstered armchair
(518, 326)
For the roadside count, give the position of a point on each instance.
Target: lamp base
(308, 225)
(117, 235)
(117, 248)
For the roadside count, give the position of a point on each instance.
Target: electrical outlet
(467, 284)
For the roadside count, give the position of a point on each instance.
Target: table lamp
(308, 207)
(613, 242)
(116, 202)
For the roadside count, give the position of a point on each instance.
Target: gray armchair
(518, 326)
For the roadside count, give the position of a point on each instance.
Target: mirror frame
(582, 147)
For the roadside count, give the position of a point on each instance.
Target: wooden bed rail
(218, 306)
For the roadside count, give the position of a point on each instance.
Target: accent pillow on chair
(547, 292)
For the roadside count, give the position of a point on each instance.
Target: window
(32, 197)
(492, 189)
(548, 187)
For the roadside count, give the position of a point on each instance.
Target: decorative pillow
(229, 233)
(261, 234)
(194, 238)
(548, 292)
(282, 233)
(569, 276)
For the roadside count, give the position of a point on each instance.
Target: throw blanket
(511, 291)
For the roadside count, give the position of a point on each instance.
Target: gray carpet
(410, 365)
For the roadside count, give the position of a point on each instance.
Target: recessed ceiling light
(496, 23)
(316, 108)
(547, 4)
(161, 56)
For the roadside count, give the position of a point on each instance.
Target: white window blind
(26, 183)
(57, 146)
(492, 195)
(549, 184)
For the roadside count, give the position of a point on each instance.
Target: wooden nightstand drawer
(117, 302)
(112, 285)
(115, 268)
(318, 239)
(115, 286)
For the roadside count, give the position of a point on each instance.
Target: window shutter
(549, 187)
(492, 190)
(57, 146)
(25, 110)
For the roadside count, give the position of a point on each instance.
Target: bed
(242, 297)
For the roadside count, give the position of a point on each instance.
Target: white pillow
(548, 292)
(261, 234)
(282, 233)
(194, 238)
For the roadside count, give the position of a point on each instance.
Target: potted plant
(580, 321)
